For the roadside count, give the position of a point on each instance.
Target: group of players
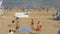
(38, 28)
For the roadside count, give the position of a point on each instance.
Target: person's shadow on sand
(31, 33)
(34, 29)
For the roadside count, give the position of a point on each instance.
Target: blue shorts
(17, 27)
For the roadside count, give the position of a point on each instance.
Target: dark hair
(38, 22)
(13, 21)
(10, 31)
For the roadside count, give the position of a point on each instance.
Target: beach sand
(48, 24)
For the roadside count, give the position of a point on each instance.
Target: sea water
(31, 3)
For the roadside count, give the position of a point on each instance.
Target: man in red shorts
(38, 28)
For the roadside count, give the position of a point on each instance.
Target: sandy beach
(48, 23)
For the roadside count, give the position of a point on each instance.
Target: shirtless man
(17, 25)
(38, 27)
(32, 23)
